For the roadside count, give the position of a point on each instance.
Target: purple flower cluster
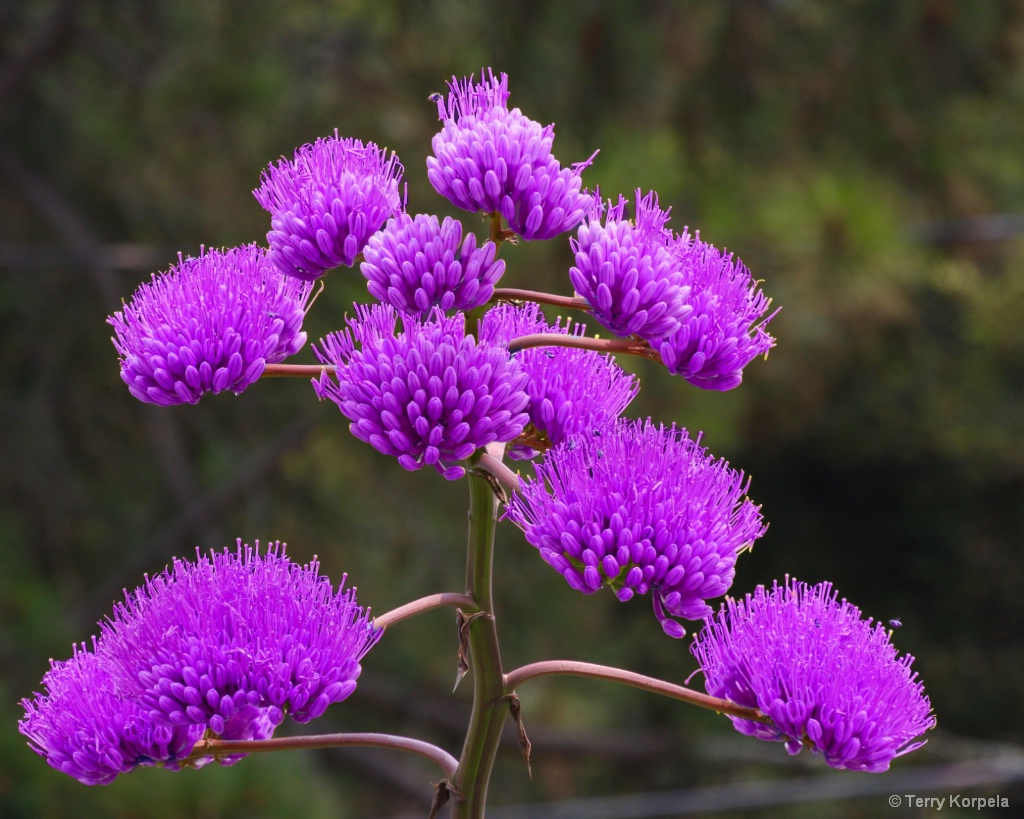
(698, 308)
(86, 727)
(326, 203)
(226, 645)
(725, 327)
(429, 395)
(828, 679)
(416, 264)
(627, 272)
(209, 324)
(641, 509)
(571, 391)
(487, 158)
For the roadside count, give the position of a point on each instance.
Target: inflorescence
(829, 680)
(225, 646)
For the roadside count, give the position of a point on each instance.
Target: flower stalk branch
(601, 345)
(432, 601)
(221, 748)
(512, 294)
(296, 370)
(574, 668)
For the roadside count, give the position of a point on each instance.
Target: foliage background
(863, 157)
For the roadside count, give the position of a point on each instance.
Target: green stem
(489, 707)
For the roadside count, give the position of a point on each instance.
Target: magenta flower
(209, 324)
(724, 328)
(415, 264)
(236, 640)
(572, 392)
(326, 203)
(86, 727)
(488, 158)
(627, 271)
(640, 509)
(829, 680)
(429, 395)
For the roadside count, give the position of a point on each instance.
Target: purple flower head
(487, 158)
(724, 330)
(88, 728)
(415, 264)
(571, 391)
(326, 203)
(627, 272)
(208, 324)
(641, 509)
(828, 679)
(429, 395)
(235, 640)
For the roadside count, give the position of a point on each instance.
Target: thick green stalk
(490, 708)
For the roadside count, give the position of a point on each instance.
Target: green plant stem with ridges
(489, 706)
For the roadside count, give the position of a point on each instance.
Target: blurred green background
(865, 159)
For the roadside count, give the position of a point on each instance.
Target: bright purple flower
(326, 203)
(236, 640)
(209, 324)
(487, 158)
(724, 329)
(88, 728)
(627, 272)
(572, 392)
(415, 264)
(829, 680)
(430, 395)
(641, 509)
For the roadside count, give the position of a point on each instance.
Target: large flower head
(640, 509)
(829, 680)
(237, 639)
(488, 158)
(428, 395)
(416, 263)
(572, 391)
(210, 323)
(724, 329)
(627, 272)
(326, 203)
(87, 727)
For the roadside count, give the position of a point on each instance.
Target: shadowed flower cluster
(429, 395)
(571, 391)
(640, 509)
(415, 264)
(326, 203)
(828, 679)
(226, 645)
(488, 158)
(210, 323)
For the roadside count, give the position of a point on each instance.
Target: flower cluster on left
(223, 647)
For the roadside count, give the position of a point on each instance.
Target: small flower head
(571, 391)
(725, 327)
(429, 395)
(828, 679)
(236, 640)
(641, 509)
(627, 272)
(87, 727)
(487, 158)
(209, 324)
(326, 203)
(415, 264)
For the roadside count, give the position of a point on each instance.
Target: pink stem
(428, 603)
(655, 686)
(222, 747)
(296, 370)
